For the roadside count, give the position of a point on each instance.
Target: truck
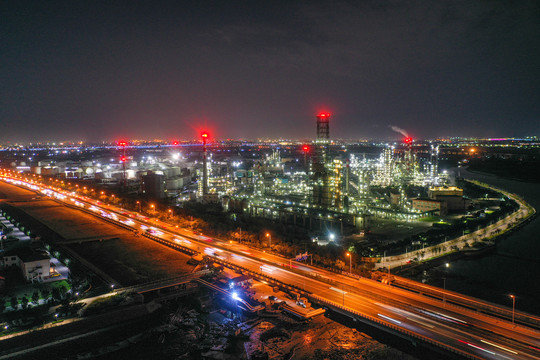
(303, 302)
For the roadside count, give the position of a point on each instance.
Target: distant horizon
(134, 142)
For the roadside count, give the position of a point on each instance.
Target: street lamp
(270, 238)
(444, 292)
(513, 308)
(332, 237)
(350, 262)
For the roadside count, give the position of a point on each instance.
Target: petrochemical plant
(324, 185)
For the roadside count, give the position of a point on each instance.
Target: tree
(14, 303)
(45, 294)
(24, 302)
(63, 291)
(56, 294)
(35, 297)
(340, 264)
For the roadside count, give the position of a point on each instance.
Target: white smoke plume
(399, 130)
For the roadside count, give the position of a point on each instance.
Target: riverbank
(510, 268)
(466, 242)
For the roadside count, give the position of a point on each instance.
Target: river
(514, 266)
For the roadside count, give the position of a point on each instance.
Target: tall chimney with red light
(204, 136)
(319, 174)
(123, 159)
(323, 128)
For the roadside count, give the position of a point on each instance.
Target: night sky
(146, 69)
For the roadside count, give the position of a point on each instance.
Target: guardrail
(163, 283)
(387, 325)
(459, 300)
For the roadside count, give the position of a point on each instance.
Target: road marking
(421, 322)
(498, 346)
(338, 290)
(389, 318)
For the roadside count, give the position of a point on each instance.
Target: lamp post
(350, 262)
(270, 238)
(513, 309)
(444, 292)
(152, 206)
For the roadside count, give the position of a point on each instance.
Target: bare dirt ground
(66, 222)
(321, 339)
(132, 260)
(388, 231)
(128, 258)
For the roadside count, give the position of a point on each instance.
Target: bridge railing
(164, 282)
(459, 300)
(385, 324)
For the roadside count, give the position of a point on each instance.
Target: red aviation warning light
(175, 143)
(408, 140)
(123, 158)
(305, 148)
(204, 135)
(122, 143)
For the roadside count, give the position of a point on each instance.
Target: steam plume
(399, 130)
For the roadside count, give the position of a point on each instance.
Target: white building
(35, 265)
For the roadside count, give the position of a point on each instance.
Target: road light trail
(361, 299)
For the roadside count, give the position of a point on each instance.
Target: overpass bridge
(452, 298)
(413, 314)
(166, 283)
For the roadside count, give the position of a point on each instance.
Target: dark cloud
(99, 70)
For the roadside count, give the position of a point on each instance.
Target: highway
(462, 330)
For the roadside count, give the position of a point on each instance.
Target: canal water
(514, 266)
